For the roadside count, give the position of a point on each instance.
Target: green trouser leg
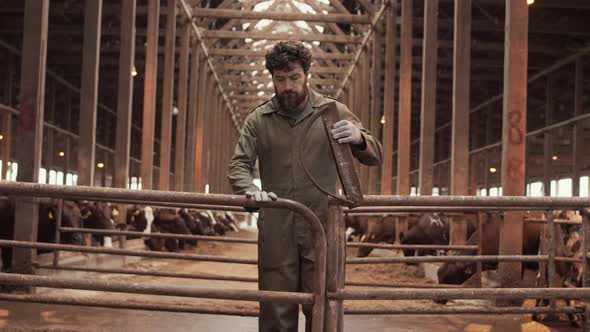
(294, 276)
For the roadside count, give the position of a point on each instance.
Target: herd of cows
(434, 229)
(102, 215)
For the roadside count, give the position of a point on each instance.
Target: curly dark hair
(285, 53)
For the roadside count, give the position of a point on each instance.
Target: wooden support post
(376, 100)
(125, 95)
(365, 110)
(196, 75)
(548, 141)
(514, 133)
(428, 112)
(29, 136)
(389, 99)
(6, 119)
(578, 130)
(149, 97)
(405, 107)
(89, 92)
(183, 68)
(405, 102)
(6, 131)
(460, 134)
(204, 96)
(167, 96)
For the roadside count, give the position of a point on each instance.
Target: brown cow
(432, 229)
(458, 272)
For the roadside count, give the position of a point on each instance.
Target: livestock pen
(334, 293)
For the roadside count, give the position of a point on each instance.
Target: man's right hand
(261, 196)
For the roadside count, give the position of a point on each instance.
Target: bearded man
(272, 134)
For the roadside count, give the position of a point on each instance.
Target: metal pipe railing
(126, 252)
(119, 304)
(122, 195)
(151, 289)
(157, 235)
(461, 294)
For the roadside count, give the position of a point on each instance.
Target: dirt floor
(24, 316)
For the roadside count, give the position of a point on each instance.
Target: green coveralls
(285, 240)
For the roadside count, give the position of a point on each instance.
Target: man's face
(290, 87)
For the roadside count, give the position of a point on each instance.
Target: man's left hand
(346, 132)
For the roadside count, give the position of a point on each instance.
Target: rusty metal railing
(317, 298)
(392, 205)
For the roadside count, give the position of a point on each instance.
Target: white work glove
(261, 196)
(346, 132)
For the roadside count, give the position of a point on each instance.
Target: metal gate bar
(126, 252)
(462, 294)
(460, 311)
(158, 235)
(151, 289)
(123, 304)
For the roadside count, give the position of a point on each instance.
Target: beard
(291, 100)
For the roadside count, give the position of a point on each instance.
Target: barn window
(133, 183)
(12, 171)
(483, 192)
(42, 175)
(435, 191)
(413, 191)
(69, 179)
(584, 186)
(60, 178)
(553, 188)
(564, 187)
(52, 177)
(207, 188)
(494, 191)
(75, 179)
(536, 189)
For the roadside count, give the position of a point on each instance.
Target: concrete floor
(41, 317)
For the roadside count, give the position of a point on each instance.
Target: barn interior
(483, 98)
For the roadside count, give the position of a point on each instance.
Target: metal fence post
(335, 257)
(60, 208)
(586, 279)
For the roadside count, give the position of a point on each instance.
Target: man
(272, 133)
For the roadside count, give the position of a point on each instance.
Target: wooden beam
(29, 136)
(89, 92)
(281, 36)
(197, 73)
(578, 130)
(125, 95)
(200, 158)
(167, 97)
(149, 98)
(389, 100)
(376, 100)
(460, 128)
(183, 69)
(261, 68)
(260, 54)
(281, 16)
(513, 133)
(405, 100)
(550, 105)
(428, 100)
